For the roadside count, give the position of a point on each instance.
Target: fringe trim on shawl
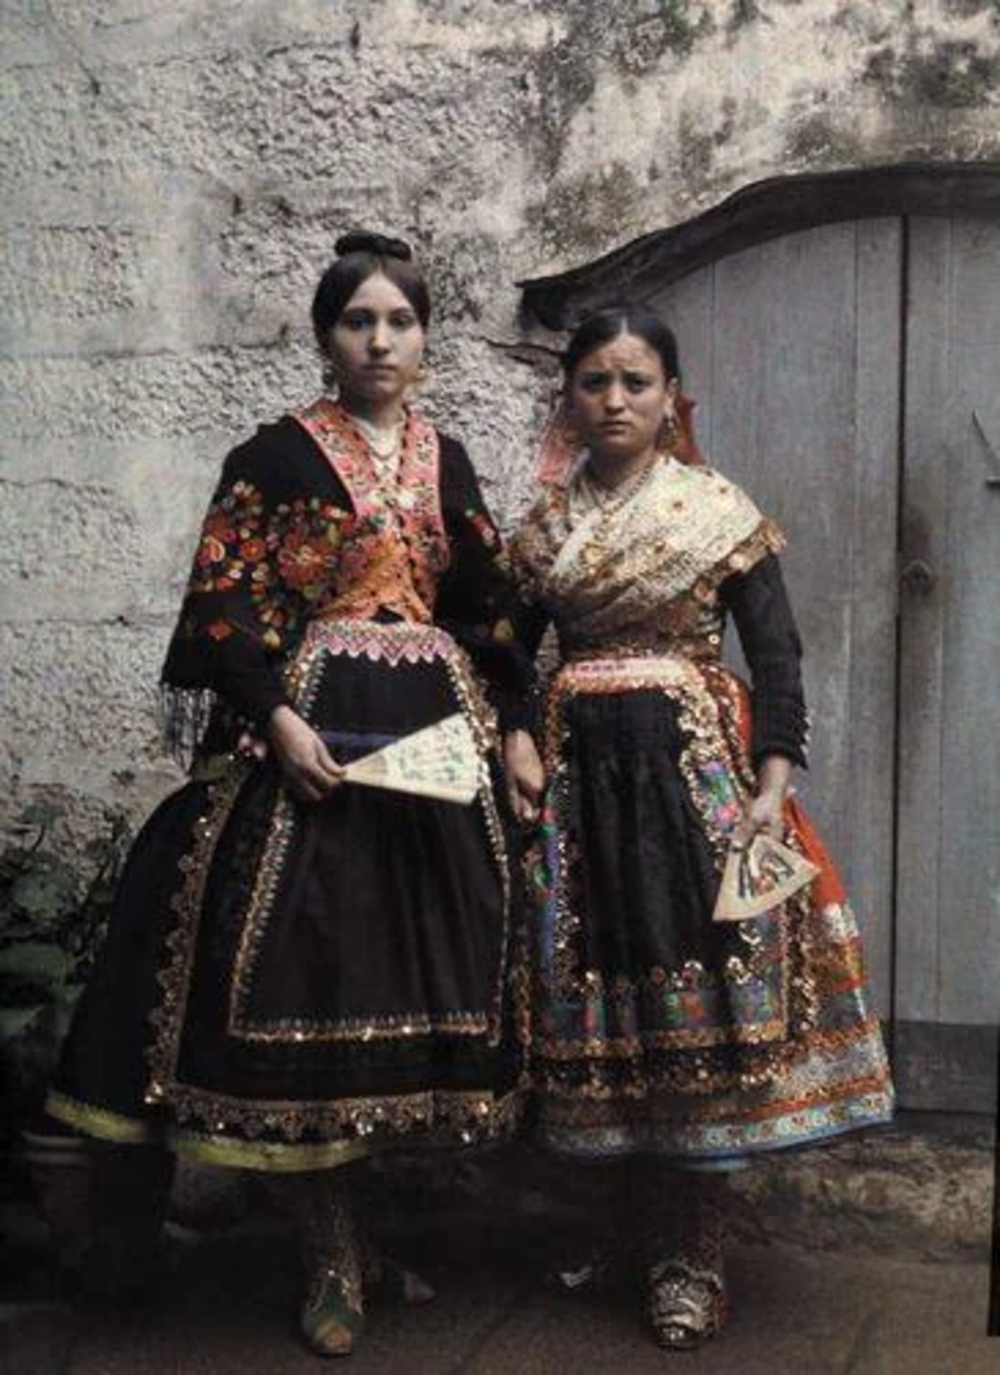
(185, 713)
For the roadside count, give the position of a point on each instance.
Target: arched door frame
(758, 212)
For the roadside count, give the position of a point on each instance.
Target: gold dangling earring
(668, 433)
(424, 374)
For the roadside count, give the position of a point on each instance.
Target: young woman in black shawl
(300, 972)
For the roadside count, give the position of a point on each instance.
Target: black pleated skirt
(286, 986)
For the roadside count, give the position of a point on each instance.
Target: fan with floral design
(438, 761)
(760, 875)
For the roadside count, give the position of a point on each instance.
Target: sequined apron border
(358, 1127)
(708, 700)
(573, 1023)
(392, 644)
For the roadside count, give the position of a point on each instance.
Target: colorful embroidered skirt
(653, 1028)
(288, 986)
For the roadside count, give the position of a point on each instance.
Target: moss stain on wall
(949, 75)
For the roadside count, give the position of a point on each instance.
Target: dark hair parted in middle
(605, 325)
(360, 255)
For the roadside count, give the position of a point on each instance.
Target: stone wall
(173, 179)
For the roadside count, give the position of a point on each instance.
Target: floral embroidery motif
(230, 540)
(399, 547)
(719, 797)
(286, 559)
(309, 557)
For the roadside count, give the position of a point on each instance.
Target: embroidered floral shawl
(275, 552)
(641, 576)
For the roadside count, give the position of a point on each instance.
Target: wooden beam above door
(758, 212)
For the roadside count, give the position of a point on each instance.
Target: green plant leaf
(46, 889)
(15, 1021)
(37, 962)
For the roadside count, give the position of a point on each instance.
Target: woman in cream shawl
(678, 1044)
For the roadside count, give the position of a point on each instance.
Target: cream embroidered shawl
(643, 576)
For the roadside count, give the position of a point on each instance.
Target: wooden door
(827, 367)
(785, 348)
(948, 908)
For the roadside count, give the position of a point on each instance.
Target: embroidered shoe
(332, 1318)
(685, 1306)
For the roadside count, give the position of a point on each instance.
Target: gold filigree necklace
(604, 503)
(385, 443)
(608, 500)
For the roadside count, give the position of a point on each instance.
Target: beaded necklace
(385, 443)
(608, 500)
(602, 504)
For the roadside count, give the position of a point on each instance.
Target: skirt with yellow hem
(287, 987)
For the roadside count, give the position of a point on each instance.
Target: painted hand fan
(439, 761)
(760, 876)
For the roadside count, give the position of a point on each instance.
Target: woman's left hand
(766, 812)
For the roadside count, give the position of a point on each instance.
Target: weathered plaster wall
(173, 179)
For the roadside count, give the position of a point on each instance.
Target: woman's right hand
(310, 770)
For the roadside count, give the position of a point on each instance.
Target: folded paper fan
(759, 876)
(439, 761)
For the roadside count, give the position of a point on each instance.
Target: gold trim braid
(439, 1119)
(167, 1018)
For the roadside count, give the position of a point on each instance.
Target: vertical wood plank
(802, 400)
(785, 362)
(870, 799)
(921, 702)
(950, 808)
(687, 309)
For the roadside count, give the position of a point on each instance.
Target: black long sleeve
(758, 602)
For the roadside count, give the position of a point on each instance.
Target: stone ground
(870, 1257)
(224, 1309)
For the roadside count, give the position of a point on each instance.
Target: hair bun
(360, 241)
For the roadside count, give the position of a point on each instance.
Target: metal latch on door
(917, 578)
